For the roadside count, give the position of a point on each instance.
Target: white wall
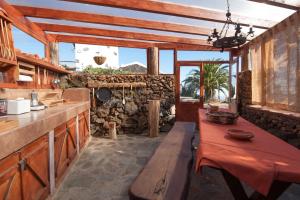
(84, 56)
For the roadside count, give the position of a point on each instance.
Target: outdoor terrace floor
(107, 167)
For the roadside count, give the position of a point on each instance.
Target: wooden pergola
(50, 33)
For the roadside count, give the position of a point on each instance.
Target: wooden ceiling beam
(110, 20)
(23, 23)
(119, 34)
(100, 41)
(180, 10)
(279, 4)
(126, 43)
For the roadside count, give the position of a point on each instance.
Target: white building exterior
(84, 56)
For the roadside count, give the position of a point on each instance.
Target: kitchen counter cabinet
(60, 151)
(83, 128)
(34, 169)
(24, 174)
(36, 154)
(10, 178)
(65, 147)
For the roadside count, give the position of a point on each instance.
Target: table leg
(235, 186)
(277, 188)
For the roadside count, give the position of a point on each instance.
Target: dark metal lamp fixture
(222, 41)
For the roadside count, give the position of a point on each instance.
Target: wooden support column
(263, 71)
(229, 76)
(298, 64)
(53, 51)
(154, 109)
(153, 68)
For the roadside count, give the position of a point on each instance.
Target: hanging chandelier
(222, 41)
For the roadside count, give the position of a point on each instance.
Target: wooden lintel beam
(119, 34)
(23, 23)
(110, 20)
(279, 4)
(180, 10)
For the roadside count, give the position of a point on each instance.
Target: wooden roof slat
(126, 43)
(119, 34)
(279, 4)
(110, 20)
(155, 6)
(23, 23)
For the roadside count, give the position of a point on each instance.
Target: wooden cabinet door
(10, 178)
(65, 148)
(83, 128)
(71, 139)
(34, 166)
(60, 151)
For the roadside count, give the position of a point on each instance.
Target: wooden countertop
(35, 124)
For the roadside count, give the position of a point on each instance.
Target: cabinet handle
(22, 165)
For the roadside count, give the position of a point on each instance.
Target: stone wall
(133, 116)
(282, 124)
(244, 90)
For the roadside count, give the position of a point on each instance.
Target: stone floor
(106, 169)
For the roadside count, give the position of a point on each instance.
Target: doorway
(189, 90)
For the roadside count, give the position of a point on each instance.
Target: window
(28, 44)
(166, 61)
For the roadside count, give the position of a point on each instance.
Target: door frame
(199, 64)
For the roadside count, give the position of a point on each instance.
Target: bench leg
(277, 188)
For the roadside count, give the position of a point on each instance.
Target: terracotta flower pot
(99, 59)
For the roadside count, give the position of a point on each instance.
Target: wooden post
(154, 110)
(153, 61)
(112, 130)
(229, 76)
(53, 50)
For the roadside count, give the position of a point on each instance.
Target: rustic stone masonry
(133, 116)
(283, 125)
(244, 90)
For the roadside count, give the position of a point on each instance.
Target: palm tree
(215, 80)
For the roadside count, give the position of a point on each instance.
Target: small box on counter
(18, 106)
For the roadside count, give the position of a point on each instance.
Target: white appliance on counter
(18, 106)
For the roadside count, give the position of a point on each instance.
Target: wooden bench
(166, 175)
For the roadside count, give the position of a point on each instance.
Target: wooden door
(65, 147)
(189, 91)
(60, 151)
(71, 140)
(10, 178)
(83, 128)
(34, 166)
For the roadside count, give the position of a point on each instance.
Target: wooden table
(267, 164)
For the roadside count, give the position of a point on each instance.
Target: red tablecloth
(258, 162)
